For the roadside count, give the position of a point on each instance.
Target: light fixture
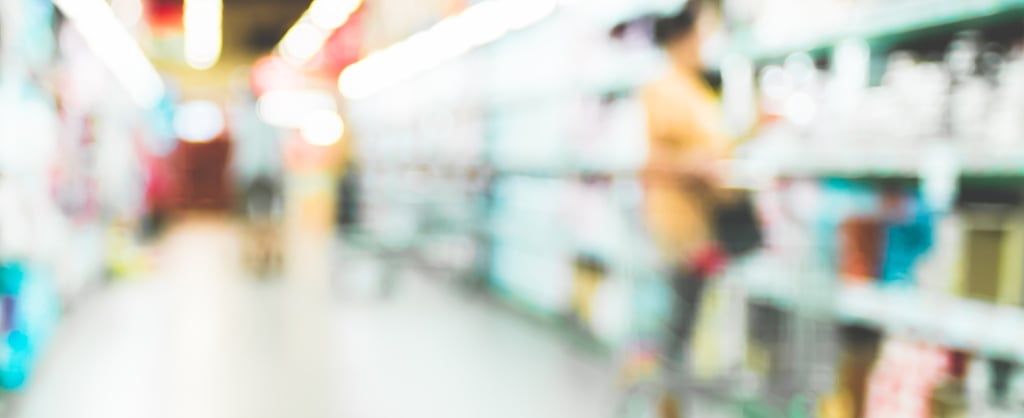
(290, 108)
(128, 11)
(478, 25)
(198, 122)
(204, 27)
(115, 48)
(323, 128)
(332, 14)
(309, 34)
(302, 42)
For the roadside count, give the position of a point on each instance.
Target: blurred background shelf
(980, 327)
(881, 23)
(881, 162)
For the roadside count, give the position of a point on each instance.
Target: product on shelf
(860, 249)
(937, 272)
(904, 379)
(909, 234)
(992, 243)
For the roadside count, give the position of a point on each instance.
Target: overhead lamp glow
(323, 128)
(332, 14)
(128, 11)
(290, 108)
(302, 42)
(198, 122)
(204, 27)
(115, 48)
(309, 34)
(481, 24)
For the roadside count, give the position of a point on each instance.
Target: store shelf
(879, 162)
(886, 21)
(975, 326)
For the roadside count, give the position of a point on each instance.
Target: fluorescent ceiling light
(316, 25)
(331, 14)
(204, 27)
(323, 128)
(302, 42)
(198, 122)
(115, 47)
(478, 25)
(128, 11)
(291, 108)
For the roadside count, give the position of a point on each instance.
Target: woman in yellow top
(681, 176)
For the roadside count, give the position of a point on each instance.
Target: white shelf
(941, 319)
(950, 321)
(861, 163)
(886, 19)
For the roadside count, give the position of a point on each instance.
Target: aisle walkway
(201, 339)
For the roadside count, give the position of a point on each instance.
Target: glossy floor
(203, 339)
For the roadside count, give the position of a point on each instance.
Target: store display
(869, 116)
(866, 114)
(69, 169)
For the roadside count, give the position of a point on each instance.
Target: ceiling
(252, 28)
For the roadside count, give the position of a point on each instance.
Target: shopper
(681, 176)
(263, 209)
(349, 192)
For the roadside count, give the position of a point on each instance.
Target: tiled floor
(202, 339)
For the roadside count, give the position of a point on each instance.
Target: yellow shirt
(684, 133)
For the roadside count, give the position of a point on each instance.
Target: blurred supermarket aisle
(202, 339)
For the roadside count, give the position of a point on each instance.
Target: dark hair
(671, 27)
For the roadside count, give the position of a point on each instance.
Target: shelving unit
(879, 23)
(983, 328)
(527, 130)
(853, 160)
(894, 163)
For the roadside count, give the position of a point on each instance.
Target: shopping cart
(774, 340)
(780, 353)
